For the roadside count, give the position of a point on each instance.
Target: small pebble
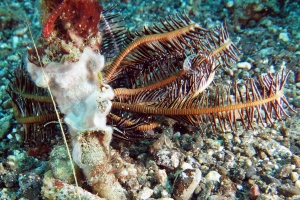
(284, 37)
(288, 191)
(296, 160)
(222, 170)
(213, 176)
(297, 77)
(20, 31)
(9, 136)
(239, 187)
(228, 136)
(18, 137)
(15, 41)
(253, 192)
(13, 58)
(250, 171)
(244, 65)
(285, 171)
(186, 183)
(229, 4)
(145, 193)
(164, 193)
(161, 177)
(294, 176)
(297, 184)
(270, 179)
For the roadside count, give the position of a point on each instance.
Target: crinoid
(166, 70)
(32, 107)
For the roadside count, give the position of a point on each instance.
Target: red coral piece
(71, 24)
(79, 16)
(49, 25)
(83, 17)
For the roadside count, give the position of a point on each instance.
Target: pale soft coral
(75, 86)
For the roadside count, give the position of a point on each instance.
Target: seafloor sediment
(263, 163)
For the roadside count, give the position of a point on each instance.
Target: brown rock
(297, 77)
(253, 192)
(288, 191)
(296, 161)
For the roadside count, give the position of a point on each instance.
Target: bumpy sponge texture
(75, 86)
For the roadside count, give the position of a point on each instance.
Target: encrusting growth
(164, 70)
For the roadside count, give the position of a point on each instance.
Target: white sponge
(75, 86)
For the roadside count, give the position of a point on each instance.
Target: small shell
(186, 183)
